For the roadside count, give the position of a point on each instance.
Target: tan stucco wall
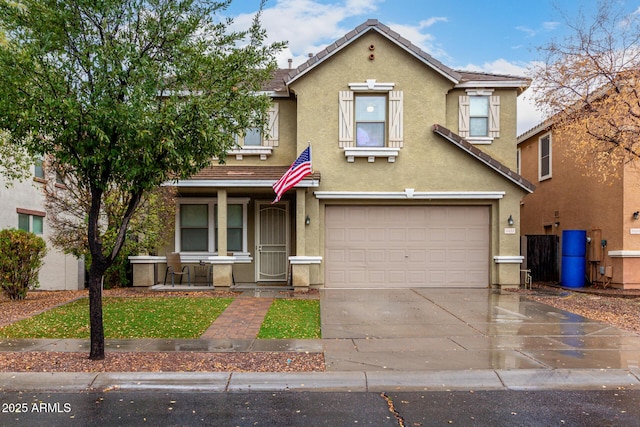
(285, 152)
(427, 162)
(501, 148)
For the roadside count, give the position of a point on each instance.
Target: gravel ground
(613, 307)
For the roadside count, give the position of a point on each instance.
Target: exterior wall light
(307, 220)
(510, 220)
(636, 214)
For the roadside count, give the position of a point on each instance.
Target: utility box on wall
(595, 248)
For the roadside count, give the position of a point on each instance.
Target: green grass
(292, 319)
(125, 318)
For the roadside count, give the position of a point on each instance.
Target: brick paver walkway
(241, 320)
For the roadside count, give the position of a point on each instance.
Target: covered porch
(230, 235)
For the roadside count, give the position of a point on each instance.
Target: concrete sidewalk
(402, 339)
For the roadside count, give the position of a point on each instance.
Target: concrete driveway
(463, 329)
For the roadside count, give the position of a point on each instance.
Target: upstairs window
(253, 137)
(38, 168)
(370, 115)
(371, 120)
(479, 116)
(544, 157)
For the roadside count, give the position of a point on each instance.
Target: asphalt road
(460, 408)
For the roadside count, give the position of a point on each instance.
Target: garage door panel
(356, 256)
(398, 246)
(376, 235)
(357, 234)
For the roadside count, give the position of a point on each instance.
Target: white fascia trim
(319, 60)
(624, 254)
(305, 260)
(240, 183)
(508, 259)
(408, 194)
(494, 84)
(147, 259)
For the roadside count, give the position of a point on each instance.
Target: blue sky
(498, 36)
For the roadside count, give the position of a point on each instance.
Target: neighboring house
(568, 198)
(414, 181)
(22, 207)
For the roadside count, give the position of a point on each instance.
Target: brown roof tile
(483, 157)
(225, 172)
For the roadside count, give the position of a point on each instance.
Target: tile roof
(474, 151)
(375, 25)
(236, 173)
(455, 76)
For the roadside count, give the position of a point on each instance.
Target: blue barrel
(573, 271)
(574, 250)
(574, 243)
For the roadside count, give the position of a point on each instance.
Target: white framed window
(371, 120)
(257, 143)
(236, 227)
(544, 157)
(252, 138)
(479, 116)
(32, 221)
(197, 225)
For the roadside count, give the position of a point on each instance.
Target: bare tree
(589, 83)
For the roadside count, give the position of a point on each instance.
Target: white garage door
(406, 246)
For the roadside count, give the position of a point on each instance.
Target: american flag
(298, 170)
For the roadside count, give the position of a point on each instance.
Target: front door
(272, 242)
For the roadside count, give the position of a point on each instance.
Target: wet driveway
(463, 329)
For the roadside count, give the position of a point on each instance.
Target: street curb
(370, 381)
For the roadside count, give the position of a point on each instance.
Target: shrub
(21, 255)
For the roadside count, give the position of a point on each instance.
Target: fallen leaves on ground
(41, 361)
(46, 361)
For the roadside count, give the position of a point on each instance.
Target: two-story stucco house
(413, 182)
(22, 207)
(567, 197)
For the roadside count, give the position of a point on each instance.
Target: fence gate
(542, 257)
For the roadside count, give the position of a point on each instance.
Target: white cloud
(424, 40)
(429, 22)
(310, 25)
(546, 27)
(528, 115)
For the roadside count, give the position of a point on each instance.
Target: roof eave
(498, 167)
(349, 38)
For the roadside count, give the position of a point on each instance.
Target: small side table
(205, 270)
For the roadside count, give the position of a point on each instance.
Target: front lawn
(292, 319)
(179, 317)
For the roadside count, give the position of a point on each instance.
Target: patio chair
(175, 268)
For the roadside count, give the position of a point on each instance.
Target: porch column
(222, 222)
(222, 264)
(301, 216)
(300, 266)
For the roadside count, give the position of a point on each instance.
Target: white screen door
(272, 238)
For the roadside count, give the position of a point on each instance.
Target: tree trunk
(95, 312)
